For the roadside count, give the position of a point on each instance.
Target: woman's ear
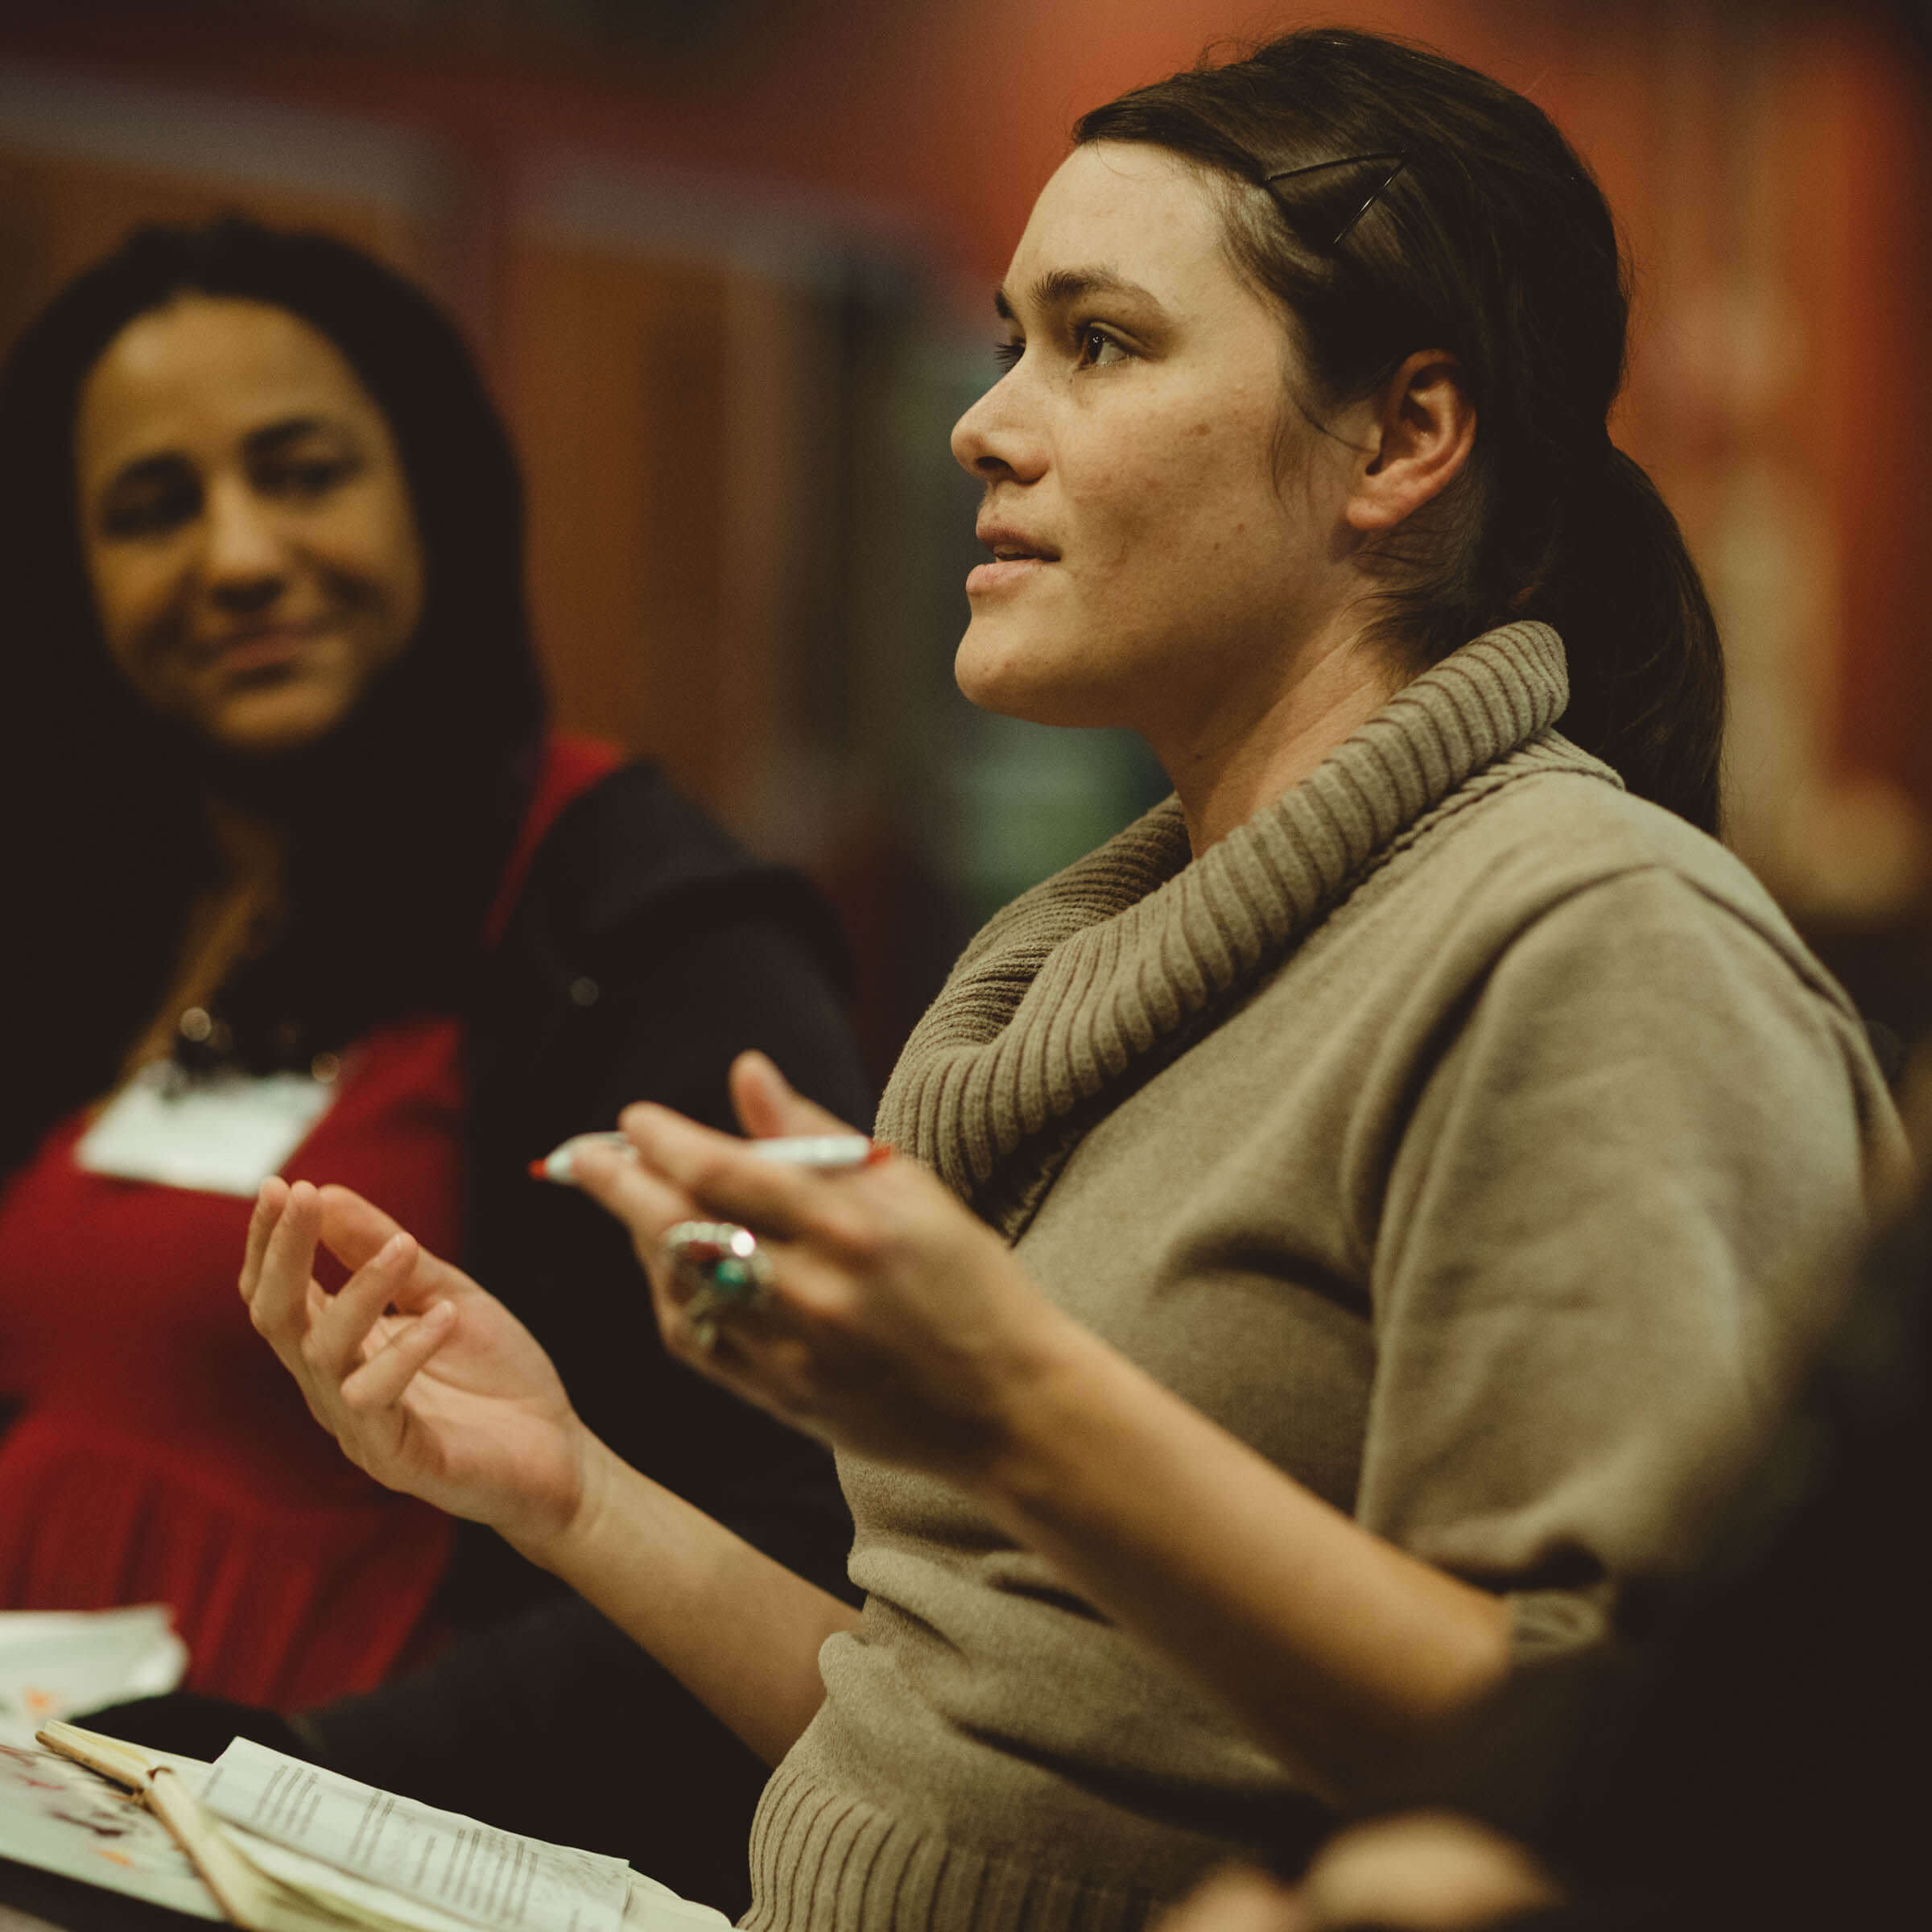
(1424, 428)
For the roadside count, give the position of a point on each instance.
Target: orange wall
(1757, 149)
(941, 115)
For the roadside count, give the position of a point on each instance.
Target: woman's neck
(249, 846)
(225, 922)
(1245, 755)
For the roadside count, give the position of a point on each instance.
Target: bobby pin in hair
(1398, 163)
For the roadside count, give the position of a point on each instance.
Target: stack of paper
(285, 1846)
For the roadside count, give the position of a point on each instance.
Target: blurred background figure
(300, 881)
(726, 262)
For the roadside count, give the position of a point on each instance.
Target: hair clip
(1398, 163)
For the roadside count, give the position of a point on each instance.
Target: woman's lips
(264, 649)
(1005, 573)
(259, 654)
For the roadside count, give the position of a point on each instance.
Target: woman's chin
(268, 725)
(1003, 675)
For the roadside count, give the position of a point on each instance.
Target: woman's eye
(152, 506)
(1098, 349)
(1007, 354)
(304, 477)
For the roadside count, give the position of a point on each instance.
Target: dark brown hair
(1491, 241)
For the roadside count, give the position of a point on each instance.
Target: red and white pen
(823, 1153)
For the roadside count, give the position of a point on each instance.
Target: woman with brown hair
(1340, 1223)
(299, 881)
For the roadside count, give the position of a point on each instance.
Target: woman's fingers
(771, 1349)
(269, 1201)
(1238, 1898)
(761, 1358)
(718, 1172)
(279, 1302)
(380, 1381)
(648, 1206)
(334, 1345)
(644, 1201)
(353, 1230)
(1425, 1868)
(768, 1105)
(687, 1171)
(321, 1337)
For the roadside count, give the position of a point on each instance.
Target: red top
(161, 1454)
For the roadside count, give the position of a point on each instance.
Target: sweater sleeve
(1598, 1263)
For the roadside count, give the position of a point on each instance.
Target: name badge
(221, 1132)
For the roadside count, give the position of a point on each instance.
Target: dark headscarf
(398, 821)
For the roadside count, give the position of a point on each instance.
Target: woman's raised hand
(428, 1382)
(895, 1324)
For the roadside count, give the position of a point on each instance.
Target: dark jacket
(647, 949)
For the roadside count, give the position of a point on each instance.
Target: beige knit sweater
(1456, 1131)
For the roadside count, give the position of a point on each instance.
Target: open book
(278, 1845)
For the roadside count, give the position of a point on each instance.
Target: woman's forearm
(1342, 1650)
(740, 1632)
(434, 1389)
(905, 1329)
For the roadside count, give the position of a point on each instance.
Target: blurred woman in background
(1346, 1221)
(298, 881)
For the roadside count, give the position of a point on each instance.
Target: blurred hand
(1435, 1871)
(897, 1325)
(428, 1382)
(1240, 1898)
(1424, 1872)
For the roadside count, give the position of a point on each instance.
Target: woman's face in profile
(1150, 568)
(247, 529)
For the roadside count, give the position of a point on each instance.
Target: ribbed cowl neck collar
(1083, 986)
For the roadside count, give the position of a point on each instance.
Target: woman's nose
(993, 439)
(244, 561)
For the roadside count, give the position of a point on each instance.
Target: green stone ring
(727, 1268)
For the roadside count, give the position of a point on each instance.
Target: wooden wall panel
(618, 373)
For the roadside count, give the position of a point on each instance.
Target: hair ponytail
(1646, 668)
(1489, 239)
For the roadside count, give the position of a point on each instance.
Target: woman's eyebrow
(273, 437)
(145, 469)
(1059, 288)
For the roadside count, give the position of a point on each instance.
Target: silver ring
(727, 1270)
